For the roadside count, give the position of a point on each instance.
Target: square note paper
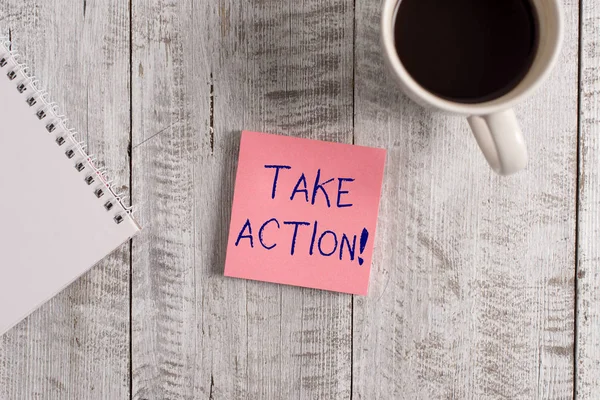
(304, 212)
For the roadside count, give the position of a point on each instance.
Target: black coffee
(467, 51)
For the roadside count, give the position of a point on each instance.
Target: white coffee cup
(493, 122)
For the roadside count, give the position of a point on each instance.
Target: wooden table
(482, 287)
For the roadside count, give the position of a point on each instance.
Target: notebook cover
(53, 226)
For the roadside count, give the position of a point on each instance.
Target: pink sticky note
(304, 212)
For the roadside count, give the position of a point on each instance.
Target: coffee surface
(467, 51)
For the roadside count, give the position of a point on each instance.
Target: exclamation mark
(364, 236)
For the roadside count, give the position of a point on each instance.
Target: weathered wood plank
(472, 291)
(171, 107)
(203, 72)
(77, 345)
(588, 274)
(300, 83)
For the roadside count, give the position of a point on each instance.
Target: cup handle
(501, 141)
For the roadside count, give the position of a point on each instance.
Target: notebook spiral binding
(57, 125)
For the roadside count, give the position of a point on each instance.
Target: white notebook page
(53, 228)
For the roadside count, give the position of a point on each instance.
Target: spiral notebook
(58, 213)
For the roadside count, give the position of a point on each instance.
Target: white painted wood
(77, 345)
(588, 273)
(472, 291)
(203, 72)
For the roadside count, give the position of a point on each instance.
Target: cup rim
(415, 90)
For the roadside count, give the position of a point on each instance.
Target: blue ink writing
(296, 225)
(301, 187)
(322, 242)
(320, 186)
(335, 243)
(325, 243)
(260, 233)
(312, 239)
(277, 168)
(341, 192)
(351, 249)
(302, 180)
(364, 236)
(248, 236)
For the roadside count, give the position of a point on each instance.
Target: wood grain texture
(77, 345)
(203, 71)
(588, 297)
(472, 290)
